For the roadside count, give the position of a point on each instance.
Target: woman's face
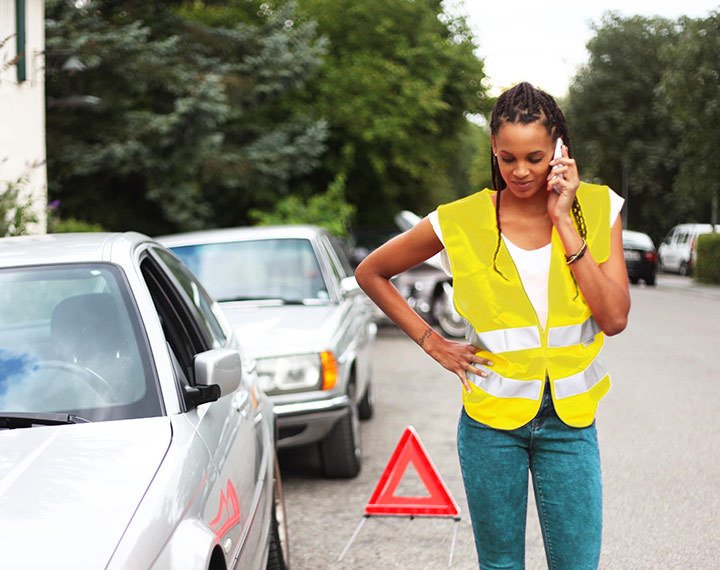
(524, 152)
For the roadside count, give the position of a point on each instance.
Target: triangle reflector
(384, 501)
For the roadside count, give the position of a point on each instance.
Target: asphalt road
(659, 438)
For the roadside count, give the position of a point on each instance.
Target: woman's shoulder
(473, 199)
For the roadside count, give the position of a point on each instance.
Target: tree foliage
(649, 100)
(171, 115)
(395, 86)
(690, 91)
(617, 122)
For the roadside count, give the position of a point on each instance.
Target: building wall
(22, 105)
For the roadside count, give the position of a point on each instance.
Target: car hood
(287, 329)
(68, 492)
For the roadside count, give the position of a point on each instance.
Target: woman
(539, 274)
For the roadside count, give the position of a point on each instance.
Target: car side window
(202, 302)
(181, 332)
(333, 262)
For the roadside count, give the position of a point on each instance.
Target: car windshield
(71, 341)
(284, 269)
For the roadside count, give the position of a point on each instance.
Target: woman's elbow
(616, 325)
(362, 274)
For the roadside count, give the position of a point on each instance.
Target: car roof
(66, 248)
(637, 238)
(242, 234)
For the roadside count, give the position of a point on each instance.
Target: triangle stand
(385, 502)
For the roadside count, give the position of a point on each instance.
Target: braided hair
(525, 104)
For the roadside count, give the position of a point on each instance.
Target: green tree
(690, 89)
(164, 116)
(618, 123)
(396, 85)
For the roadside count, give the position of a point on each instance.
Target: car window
(207, 310)
(183, 334)
(72, 341)
(333, 263)
(281, 269)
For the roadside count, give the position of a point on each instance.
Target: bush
(329, 210)
(71, 225)
(707, 267)
(16, 213)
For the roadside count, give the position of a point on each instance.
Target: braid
(499, 235)
(525, 104)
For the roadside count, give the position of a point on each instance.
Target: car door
(230, 427)
(668, 250)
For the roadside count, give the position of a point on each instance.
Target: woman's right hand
(457, 357)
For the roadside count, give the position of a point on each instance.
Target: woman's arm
(398, 255)
(604, 286)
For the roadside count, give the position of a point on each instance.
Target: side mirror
(349, 287)
(217, 374)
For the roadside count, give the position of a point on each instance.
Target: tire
(450, 322)
(366, 407)
(650, 279)
(685, 268)
(340, 451)
(634, 280)
(279, 551)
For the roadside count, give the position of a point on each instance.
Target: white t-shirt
(533, 265)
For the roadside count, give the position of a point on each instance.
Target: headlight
(297, 373)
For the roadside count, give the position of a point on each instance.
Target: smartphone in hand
(557, 154)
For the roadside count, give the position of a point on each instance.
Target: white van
(677, 250)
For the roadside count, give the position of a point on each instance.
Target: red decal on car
(228, 511)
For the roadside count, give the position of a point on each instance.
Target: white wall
(22, 105)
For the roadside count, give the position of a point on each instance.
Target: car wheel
(366, 407)
(650, 279)
(685, 268)
(634, 280)
(340, 450)
(450, 322)
(279, 554)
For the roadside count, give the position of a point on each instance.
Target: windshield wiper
(10, 420)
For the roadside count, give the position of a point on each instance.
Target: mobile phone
(557, 154)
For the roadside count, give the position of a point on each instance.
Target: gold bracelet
(570, 259)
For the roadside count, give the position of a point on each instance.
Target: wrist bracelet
(570, 259)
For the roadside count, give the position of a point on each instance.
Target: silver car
(298, 310)
(132, 431)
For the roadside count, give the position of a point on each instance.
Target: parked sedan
(641, 257)
(132, 431)
(301, 315)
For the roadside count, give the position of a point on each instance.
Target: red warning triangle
(384, 501)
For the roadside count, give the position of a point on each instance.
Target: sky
(544, 42)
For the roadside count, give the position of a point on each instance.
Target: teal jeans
(564, 463)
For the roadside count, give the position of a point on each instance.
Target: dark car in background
(641, 257)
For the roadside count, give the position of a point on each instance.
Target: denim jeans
(565, 466)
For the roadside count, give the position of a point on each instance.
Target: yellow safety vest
(505, 327)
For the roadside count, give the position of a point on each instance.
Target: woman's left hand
(563, 176)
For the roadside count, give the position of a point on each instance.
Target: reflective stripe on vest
(506, 340)
(502, 387)
(582, 381)
(584, 333)
(525, 338)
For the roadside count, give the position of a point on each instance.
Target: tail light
(651, 256)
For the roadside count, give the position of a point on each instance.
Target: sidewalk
(687, 285)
